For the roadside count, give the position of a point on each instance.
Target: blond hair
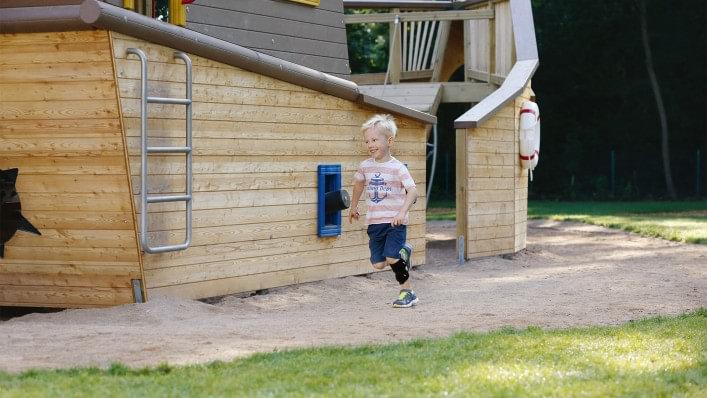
(384, 123)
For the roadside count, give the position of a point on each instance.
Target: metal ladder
(145, 150)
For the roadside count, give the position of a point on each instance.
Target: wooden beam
(465, 92)
(419, 16)
(483, 76)
(416, 74)
(395, 55)
(461, 188)
(467, 48)
(435, 104)
(491, 46)
(366, 79)
(443, 38)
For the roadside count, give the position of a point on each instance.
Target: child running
(390, 191)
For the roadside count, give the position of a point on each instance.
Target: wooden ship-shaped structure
(191, 157)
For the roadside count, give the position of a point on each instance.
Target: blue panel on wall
(329, 180)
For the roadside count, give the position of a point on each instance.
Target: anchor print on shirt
(378, 187)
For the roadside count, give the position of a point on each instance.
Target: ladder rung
(168, 149)
(168, 198)
(171, 101)
(171, 248)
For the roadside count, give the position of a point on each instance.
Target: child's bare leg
(380, 265)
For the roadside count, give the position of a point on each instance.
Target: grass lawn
(676, 221)
(654, 357)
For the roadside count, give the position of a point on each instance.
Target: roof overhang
(94, 14)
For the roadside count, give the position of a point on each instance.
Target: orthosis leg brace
(401, 271)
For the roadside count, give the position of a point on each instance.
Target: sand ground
(571, 274)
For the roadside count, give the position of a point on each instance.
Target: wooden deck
(424, 97)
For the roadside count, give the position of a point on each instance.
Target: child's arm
(410, 197)
(353, 210)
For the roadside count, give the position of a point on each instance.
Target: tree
(664, 142)
(368, 45)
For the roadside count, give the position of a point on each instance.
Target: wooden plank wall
(257, 144)
(497, 187)
(311, 36)
(60, 125)
(504, 43)
(478, 51)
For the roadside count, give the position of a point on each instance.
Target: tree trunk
(659, 102)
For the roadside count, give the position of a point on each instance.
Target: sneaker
(406, 255)
(406, 299)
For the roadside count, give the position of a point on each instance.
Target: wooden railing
(420, 38)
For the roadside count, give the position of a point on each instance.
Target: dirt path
(571, 274)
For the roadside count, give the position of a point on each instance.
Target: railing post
(467, 49)
(491, 44)
(395, 50)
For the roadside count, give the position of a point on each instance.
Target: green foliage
(368, 45)
(595, 97)
(664, 356)
(162, 10)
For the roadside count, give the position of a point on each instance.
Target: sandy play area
(570, 274)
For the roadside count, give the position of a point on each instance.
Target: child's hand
(353, 215)
(398, 220)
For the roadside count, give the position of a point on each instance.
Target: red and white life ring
(529, 136)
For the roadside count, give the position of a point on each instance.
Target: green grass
(654, 357)
(544, 209)
(676, 221)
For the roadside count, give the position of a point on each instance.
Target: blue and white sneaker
(406, 256)
(406, 299)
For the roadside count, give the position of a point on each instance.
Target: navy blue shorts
(385, 240)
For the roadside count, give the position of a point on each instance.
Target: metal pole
(143, 145)
(188, 65)
(698, 168)
(434, 164)
(613, 173)
(446, 174)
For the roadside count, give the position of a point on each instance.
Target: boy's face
(377, 143)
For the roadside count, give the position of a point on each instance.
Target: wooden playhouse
(270, 134)
(71, 101)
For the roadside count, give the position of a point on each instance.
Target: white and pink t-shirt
(385, 188)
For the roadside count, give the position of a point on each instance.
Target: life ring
(529, 136)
